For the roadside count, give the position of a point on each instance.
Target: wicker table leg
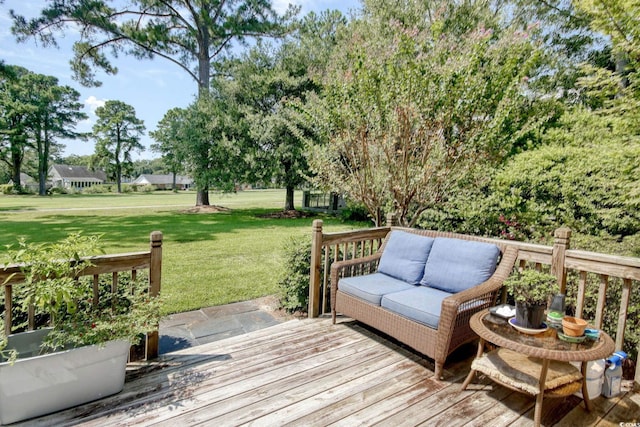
(540, 396)
(473, 371)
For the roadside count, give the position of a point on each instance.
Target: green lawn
(208, 259)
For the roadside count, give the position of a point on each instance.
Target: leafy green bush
(574, 186)
(51, 288)
(355, 212)
(294, 285)
(584, 176)
(127, 314)
(57, 190)
(6, 188)
(95, 189)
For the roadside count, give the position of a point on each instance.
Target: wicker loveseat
(422, 287)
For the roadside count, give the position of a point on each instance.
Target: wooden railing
(587, 270)
(134, 262)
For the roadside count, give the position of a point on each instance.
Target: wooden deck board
(313, 373)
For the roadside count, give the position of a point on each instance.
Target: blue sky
(151, 87)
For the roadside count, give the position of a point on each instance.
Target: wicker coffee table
(534, 364)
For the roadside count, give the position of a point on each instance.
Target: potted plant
(531, 290)
(82, 353)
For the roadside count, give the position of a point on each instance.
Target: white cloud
(93, 103)
(281, 6)
(306, 6)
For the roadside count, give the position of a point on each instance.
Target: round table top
(545, 345)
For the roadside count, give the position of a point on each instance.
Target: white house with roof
(164, 182)
(76, 177)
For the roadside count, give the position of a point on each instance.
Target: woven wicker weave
(453, 328)
(522, 372)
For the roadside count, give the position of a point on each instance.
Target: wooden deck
(311, 373)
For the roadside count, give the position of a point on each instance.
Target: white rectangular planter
(38, 385)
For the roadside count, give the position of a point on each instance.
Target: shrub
(51, 287)
(6, 188)
(355, 212)
(57, 190)
(294, 285)
(95, 189)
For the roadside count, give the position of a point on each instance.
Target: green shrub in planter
(532, 286)
(53, 286)
(531, 290)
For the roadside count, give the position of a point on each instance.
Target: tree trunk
(204, 75)
(16, 162)
(288, 204)
(43, 163)
(202, 197)
(173, 183)
(119, 177)
(42, 183)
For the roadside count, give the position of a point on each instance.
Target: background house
(27, 182)
(164, 182)
(76, 177)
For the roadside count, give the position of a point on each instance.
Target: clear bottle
(613, 375)
(595, 377)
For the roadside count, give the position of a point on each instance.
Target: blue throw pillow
(405, 255)
(455, 265)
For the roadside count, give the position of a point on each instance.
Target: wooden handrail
(559, 259)
(104, 264)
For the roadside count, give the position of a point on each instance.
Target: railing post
(636, 379)
(314, 276)
(560, 246)
(392, 220)
(155, 269)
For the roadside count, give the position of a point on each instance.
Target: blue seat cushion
(372, 287)
(422, 304)
(455, 265)
(405, 255)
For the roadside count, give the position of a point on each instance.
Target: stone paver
(184, 330)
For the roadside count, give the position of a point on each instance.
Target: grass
(182, 199)
(208, 258)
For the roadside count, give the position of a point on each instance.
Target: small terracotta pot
(573, 326)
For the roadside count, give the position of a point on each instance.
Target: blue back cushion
(455, 265)
(405, 255)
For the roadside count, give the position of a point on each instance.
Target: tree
(117, 133)
(146, 166)
(615, 91)
(74, 160)
(415, 102)
(35, 111)
(56, 113)
(14, 116)
(262, 84)
(169, 136)
(188, 33)
(215, 126)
